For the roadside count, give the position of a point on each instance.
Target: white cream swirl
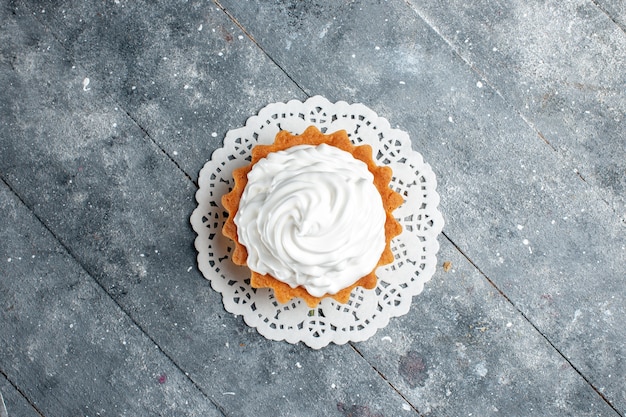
(311, 216)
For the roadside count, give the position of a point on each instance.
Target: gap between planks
(609, 15)
(258, 45)
(13, 384)
(384, 378)
(525, 317)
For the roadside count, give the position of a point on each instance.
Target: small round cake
(311, 216)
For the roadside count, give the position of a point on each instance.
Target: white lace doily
(367, 310)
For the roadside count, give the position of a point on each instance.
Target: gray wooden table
(109, 109)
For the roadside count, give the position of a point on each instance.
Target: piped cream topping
(311, 216)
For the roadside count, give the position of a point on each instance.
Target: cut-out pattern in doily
(415, 249)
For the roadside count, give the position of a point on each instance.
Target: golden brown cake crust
(312, 136)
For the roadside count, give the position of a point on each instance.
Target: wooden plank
(121, 208)
(15, 403)
(512, 203)
(66, 344)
